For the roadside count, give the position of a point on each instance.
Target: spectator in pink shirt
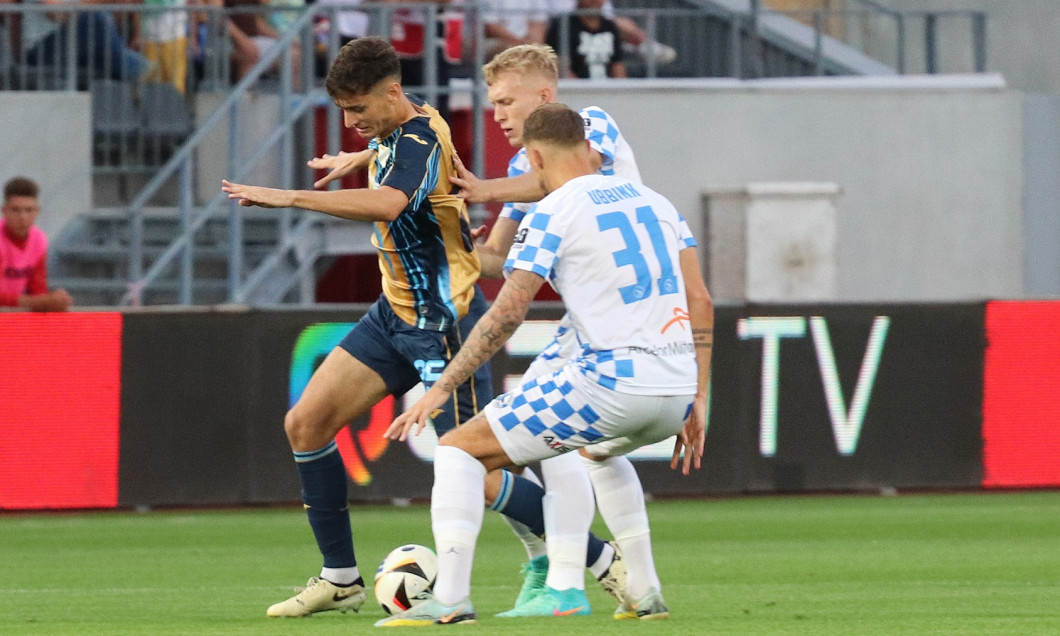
(24, 253)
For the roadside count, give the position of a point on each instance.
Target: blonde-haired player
(521, 79)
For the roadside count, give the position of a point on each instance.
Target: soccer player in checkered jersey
(643, 319)
(520, 79)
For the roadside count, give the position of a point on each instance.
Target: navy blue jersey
(426, 254)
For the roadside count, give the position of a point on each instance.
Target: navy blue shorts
(404, 356)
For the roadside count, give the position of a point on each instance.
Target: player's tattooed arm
(688, 447)
(703, 337)
(493, 329)
(489, 334)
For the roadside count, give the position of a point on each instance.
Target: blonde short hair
(538, 59)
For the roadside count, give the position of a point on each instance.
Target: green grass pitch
(906, 564)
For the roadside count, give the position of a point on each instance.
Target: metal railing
(293, 107)
(297, 249)
(909, 41)
(710, 41)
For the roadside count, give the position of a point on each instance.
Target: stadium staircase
(91, 256)
(161, 249)
(726, 38)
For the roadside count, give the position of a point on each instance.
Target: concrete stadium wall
(931, 168)
(47, 137)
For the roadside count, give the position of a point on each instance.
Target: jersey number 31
(633, 256)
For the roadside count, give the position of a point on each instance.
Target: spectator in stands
(350, 25)
(252, 36)
(24, 252)
(408, 36)
(634, 39)
(164, 41)
(101, 48)
(285, 14)
(509, 23)
(593, 42)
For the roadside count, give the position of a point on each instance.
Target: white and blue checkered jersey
(604, 137)
(610, 247)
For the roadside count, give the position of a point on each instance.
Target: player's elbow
(699, 296)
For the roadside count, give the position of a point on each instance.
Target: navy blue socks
(324, 493)
(520, 499)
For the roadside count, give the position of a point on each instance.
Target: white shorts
(562, 411)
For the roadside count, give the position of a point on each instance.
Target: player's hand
(338, 166)
(688, 447)
(256, 195)
(479, 232)
(414, 419)
(472, 189)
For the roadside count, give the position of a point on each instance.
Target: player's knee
(586, 455)
(300, 429)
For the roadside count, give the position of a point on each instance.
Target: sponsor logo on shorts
(556, 444)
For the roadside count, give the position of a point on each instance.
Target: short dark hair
(21, 187)
(554, 124)
(360, 65)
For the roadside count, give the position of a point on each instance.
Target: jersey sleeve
(517, 166)
(684, 233)
(602, 133)
(535, 248)
(417, 157)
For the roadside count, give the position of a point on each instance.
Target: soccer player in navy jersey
(622, 259)
(430, 301)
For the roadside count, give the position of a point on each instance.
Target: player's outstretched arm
(490, 333)
(362, 204)
(494, 251)
(248, 195)
(338, 166)
(522, 189)
(688, 448)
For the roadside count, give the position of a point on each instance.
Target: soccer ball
(404, 576)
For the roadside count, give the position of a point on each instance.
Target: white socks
(340, 576)
(457, 505)
(620, 499)
(568, 515)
